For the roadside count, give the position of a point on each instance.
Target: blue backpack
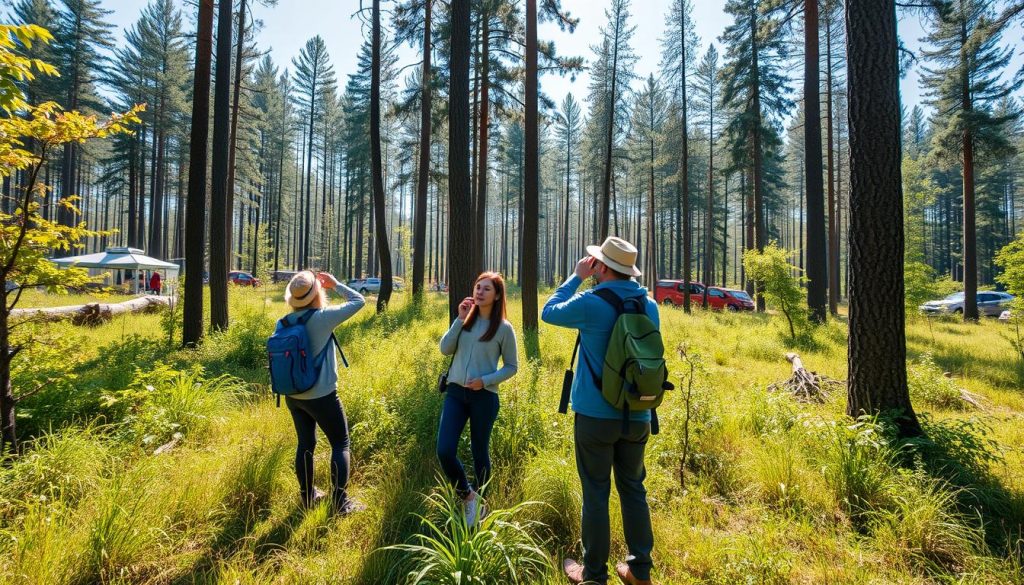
(293, 366)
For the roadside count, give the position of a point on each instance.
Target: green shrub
(753, 564)
(498, 549)
(244, 344)
(776, 475)
(929, 384)
(164, 404)
(773, 273)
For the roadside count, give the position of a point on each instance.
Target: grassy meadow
(152, 464)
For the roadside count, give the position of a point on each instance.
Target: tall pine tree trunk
(460, 223)
(236, 95)
(383, 247)
(531, 174)
(482, 139)
(419, 243)
(195, 214)
(817, 251)
(219, 210)
(833, 212)
(877, 375)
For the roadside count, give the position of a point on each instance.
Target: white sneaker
(471, 508)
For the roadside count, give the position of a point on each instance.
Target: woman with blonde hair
(476, 339)
(319, 406)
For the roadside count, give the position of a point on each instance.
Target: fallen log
(805, 385)
(93, 313)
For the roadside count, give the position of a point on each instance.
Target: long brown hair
(497, 310)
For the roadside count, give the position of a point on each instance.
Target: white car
(989, 303)
(372, 285)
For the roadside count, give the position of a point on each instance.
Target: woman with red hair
(477, 338)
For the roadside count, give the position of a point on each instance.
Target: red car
(242, 278)
(670, 292)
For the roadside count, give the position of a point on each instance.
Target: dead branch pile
(805, 385)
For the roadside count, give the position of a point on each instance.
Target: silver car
(990, 304)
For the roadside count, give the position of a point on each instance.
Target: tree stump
(805, 385)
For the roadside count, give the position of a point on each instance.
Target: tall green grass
(776, 491)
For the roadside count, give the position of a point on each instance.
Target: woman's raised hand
(327, 279)
(465, 306)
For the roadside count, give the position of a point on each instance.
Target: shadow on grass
(959, 452)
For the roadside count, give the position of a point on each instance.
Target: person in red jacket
(154, 283)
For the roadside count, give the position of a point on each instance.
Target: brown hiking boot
(626, 576)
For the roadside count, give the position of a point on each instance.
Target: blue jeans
(480, 408)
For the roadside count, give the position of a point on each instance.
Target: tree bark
(877, 375)
(236, 95)
(481, 152)
(460, 223)
(817, 253)
(383, 246)
(219, 211)
(419, 244)
(531, 175)
(195, 214)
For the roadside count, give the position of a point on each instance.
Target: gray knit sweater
(479, 359)
(319, 327)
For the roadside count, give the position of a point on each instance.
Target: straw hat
(617, 254)
(302, 289)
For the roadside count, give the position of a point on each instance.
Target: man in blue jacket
(602, 441)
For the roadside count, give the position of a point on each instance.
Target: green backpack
(635, 376)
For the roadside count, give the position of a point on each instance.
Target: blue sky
(287, 26)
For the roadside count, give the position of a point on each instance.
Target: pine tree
(964, 84)
(82, 37)
(877, 370)
(460, 228)
(616, 71)
(195, 228)
(313, 73)
(569, 126)
(679, 50)
(649, 112)
(754, 87)
(707, 95)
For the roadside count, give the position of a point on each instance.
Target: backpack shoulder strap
(611, 298)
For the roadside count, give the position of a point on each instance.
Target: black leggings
(327, 413)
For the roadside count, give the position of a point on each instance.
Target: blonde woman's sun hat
(617, 254)
(302, 289)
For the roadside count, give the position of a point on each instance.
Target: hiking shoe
(626, 576)
(574, 571)
(313, 500)
(350, 506)
(472, 509)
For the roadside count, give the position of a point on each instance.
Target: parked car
(990, 303)
(243, 278)
(670, 292)
(372, 285)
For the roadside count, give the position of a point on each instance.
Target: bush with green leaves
(930, 385)
(1011, 260)
(919, 285)
(497, 549)
(164, 403)
(773, 273)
